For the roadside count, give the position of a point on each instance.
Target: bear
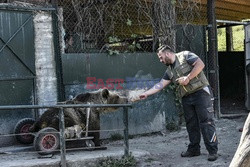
(76, 117)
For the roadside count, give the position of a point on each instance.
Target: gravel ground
(165, 148)
(156, 150)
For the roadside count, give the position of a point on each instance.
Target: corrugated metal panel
(17, 68)
(17, 41)
(76, 67)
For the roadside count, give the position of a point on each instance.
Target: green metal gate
(17, 64)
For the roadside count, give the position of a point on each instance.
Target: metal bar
(87, 121)
(231, 22)
(125, 122)
(62, 105)
(36, 112)
(62, 139)
(28, 9)
(21, 78)
(62, 122)
(111, 130)
(234, 115)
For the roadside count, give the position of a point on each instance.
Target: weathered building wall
(46, 82)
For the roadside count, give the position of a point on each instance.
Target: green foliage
(238, 38)
(113, 39)
(129, 22)
(125, 161)
(132, 46)
(172, 125)
(173, 2)
(173, 88)
(113, 52)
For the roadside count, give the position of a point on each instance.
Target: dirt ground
(158, 150)
(164, 149)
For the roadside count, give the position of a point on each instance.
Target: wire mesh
(118, 26)
(124, 25)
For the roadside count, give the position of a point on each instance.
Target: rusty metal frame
(62, 123)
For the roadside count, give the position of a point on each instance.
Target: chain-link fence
(117, 26)
(124, 25)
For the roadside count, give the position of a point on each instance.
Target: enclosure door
(17, 65)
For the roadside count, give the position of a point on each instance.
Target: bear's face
(103, 96)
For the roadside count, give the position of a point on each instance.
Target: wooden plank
(225, 2)
(233, 7)
(235, 15)
(236, 2)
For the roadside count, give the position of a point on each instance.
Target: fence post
(62, 139)
(213, 68)
(125, 122)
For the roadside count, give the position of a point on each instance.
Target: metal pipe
(29, 9)
(62, 139)
(213, 55)
(18, 78)
(231, 22)
(125, 122)
(62, 105)
(87, 121)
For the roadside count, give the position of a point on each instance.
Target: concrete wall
(46, 82)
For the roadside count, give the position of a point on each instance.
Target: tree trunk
(242, 155)
(164, 12)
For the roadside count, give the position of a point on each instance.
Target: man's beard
(167, 61)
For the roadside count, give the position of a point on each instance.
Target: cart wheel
(23, 127)
(90, 145)
(47, 141)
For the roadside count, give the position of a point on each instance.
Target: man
(185, 70)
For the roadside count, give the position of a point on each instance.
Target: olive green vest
(182, 68)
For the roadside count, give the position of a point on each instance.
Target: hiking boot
(190, 154)
(212, 157)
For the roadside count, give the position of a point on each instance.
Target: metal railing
(62, 121)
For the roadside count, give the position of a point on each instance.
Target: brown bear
(77, 116)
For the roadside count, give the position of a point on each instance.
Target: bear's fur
(77, 116)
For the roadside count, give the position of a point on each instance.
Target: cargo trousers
(199, 114)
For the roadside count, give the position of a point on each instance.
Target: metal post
(125, 122)
(57, 51)
(213, 68)
(62, 139)
(229, 39)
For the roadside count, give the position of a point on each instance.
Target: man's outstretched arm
(155, 89)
